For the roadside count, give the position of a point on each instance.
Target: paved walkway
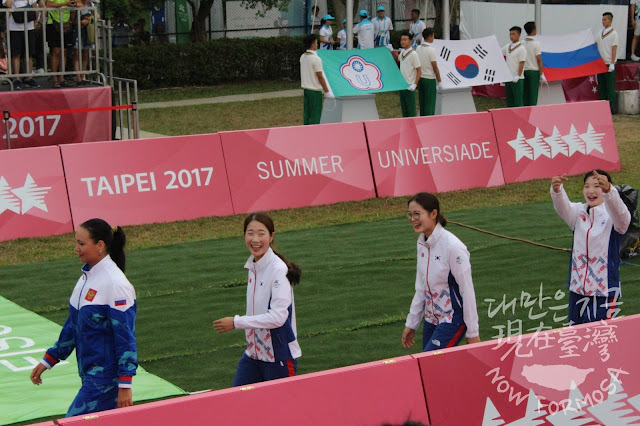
(224, 99)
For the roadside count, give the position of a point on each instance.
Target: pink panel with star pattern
(549, 140)
(33, 193)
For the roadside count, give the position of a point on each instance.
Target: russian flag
(570, 55)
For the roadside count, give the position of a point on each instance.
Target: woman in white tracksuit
(270, 320)
(444, 296)
(598, 227)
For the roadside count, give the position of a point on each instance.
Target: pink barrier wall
(33, 194)
(435, 154)
(297, 166)
(365, 394)
(147, 180)
(545, 141)
(55, 128)
(588, 371)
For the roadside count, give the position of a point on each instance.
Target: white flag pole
(538, 15)
(446, 24)
(349, 24)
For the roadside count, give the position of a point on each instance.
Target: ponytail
(113, 237)
(294, 272)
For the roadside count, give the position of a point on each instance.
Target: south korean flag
(466, 63)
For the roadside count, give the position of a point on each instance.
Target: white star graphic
(32, 195)
(8, 201)
(521, 147)
(592, 140)
(538, 145)
(574, 142)
(557, 145)
(591, 79)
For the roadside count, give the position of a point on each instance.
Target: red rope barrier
(70, 111)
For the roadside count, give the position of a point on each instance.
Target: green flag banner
(361, 72)
(24, 338)
(183, 21)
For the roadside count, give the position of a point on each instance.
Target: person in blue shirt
(101, 323)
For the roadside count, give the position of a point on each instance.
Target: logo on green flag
(361, 72)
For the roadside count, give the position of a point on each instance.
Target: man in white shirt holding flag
(430, 78)
(416, 28)
(410, 69)
(516, 56)
(607, 41)
(312, 81)
(533, 72)
(382, 26)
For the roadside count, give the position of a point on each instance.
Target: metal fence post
(7, 115)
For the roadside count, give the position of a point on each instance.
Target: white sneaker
(40, 71)
(635, 58)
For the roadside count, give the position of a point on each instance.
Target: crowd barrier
(80, 115)
(573, 375)
(184, 177)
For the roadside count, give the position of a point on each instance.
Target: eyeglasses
(414, 215)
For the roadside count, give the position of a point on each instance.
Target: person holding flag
(516, 56)
(312, 81)
(365, 31)
(533, 71)
(430, 75)
(342, 36)
(410, 69)
(416, 28)
(607, 41)
(382, 26)
(326, 33)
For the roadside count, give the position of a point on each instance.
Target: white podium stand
(349, 108)
(454, 101)
(552, 94)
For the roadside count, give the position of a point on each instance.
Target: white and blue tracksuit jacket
(597, 233)
(100, 326)
(270, 322)
(382, 29)
(444, 288)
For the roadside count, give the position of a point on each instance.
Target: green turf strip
(357, 285)
(24, 337)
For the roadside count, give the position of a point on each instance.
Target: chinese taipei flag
(570, 55)
(476, 62)
(360, 72)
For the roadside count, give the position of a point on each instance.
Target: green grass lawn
(358, 281)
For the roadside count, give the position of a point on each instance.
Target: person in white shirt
(364, 31)
(635, 23)
(410, 69)
(270, 320)
(445, 300)
(382, 26)
(326, 33)
(516, 56)
(18, 44)
(312, 81)
(607, 41)
(533, 71)
(342, 36)
(416, 28)
(430, 77)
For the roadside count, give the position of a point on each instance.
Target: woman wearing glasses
(444, 289)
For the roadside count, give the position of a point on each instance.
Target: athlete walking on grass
(270, 320)
(100, 325)
(598, 226)
(444, 296)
